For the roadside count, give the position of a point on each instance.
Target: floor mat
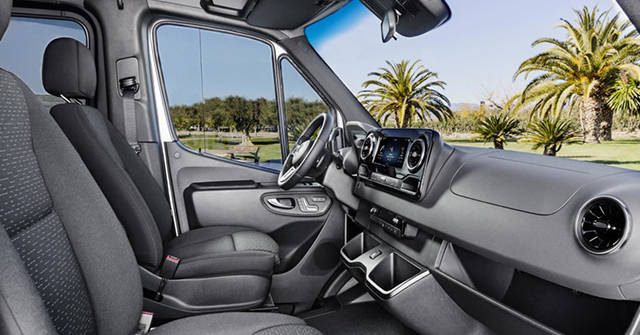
(365, 318)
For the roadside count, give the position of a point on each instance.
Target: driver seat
(69, 70)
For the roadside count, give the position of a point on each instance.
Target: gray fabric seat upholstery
(66, 265)
(238, 323)
(69, 70)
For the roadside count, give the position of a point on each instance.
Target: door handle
(282, 203)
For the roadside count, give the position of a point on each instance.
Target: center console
(396, 159)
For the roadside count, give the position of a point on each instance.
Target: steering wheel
(306, 152)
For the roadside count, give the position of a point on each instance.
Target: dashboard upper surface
(518, 209)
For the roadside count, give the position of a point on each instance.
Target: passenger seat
(69, 71)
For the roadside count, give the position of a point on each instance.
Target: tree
(300, 113)
(215, 113)
(497, 129)
(406, 92)
(245, 115)
(581, 71)
(551, 133)
(625, 99)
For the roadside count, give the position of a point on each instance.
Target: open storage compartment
(359, 245)
(381, 267)
(392, 272)
(405, 288)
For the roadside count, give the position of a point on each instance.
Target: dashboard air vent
(602, 225)
(367, 147)
(416, 155)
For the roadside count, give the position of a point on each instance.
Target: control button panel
(303, 203)
(386, 180)
(390, 222)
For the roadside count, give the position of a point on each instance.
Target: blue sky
(476, 52)
(25, 59)
(231, 65)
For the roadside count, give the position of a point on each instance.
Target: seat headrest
(5, 15)
(68, 69)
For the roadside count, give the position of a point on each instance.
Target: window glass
(302, 103)
(22, 48)
(512, 75)
(221, 94)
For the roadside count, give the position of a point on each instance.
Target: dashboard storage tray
(359, 245)
(393, 271)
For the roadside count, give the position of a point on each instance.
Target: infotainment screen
(392, 151)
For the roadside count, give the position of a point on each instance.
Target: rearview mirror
(389, 24)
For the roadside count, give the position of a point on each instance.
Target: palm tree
(551, 133)
(625, 99)
(497, 129)
(406, 92)
(579, 73)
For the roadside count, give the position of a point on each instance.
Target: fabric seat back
(138, 201)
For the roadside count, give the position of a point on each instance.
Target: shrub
(551, 133)
(497, 128)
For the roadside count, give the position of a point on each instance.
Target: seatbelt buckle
(169, 267)
(144, 325)
(168, 270)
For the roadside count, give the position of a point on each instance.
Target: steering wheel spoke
(305, 152)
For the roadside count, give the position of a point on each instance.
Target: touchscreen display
(392, 151)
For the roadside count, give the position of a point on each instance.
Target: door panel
(217, 192)
(246, 206)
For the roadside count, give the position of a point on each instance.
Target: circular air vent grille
(602, 225)
(416, 155)
(367, 147)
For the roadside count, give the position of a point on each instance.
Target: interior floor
(362, 318)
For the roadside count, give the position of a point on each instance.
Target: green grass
(269, 146)
(624, 153)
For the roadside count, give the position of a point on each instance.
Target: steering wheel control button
(375, 254)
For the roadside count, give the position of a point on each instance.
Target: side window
(22, 48)
(221, 94)
(302, 103)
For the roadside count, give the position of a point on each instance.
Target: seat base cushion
(238, 324)
(220, 251)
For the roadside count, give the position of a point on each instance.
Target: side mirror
(389, 25)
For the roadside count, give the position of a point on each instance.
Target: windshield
(478, 80)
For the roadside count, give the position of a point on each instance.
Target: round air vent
(415, 155)
(367, 147)
(603, 225)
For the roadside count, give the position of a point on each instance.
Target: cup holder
(392, 271)
(359, 245)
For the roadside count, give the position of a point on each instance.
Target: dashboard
(480, 220)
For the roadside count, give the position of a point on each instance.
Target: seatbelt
(129, 88)
(167, 271)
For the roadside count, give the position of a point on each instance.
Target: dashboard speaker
(602, 225)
